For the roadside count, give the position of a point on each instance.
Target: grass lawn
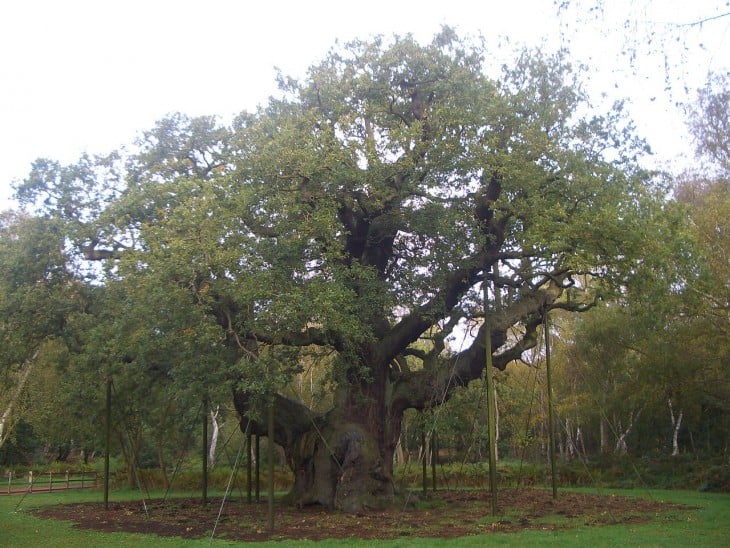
(709, 525)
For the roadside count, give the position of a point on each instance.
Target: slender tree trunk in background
(213, 436)
(162, 464)
(604, 437)
(676, 425)
(675, 438)
(399, 454)
(570, 444)
(130, 449)
(579, 440)
(5, 419)
(622, 447)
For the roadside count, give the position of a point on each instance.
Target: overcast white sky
(89, 75)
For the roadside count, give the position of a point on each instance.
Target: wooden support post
(108, 441)
(205, 451)
(424, 463)
(258, 468)
(270, 435)
(551, 420)
(491, 403)
(434, 459)
(249, 464)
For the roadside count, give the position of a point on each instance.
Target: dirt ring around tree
(443, 514)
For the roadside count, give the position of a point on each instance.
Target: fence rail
(45, 482)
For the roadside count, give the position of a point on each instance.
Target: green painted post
(424, 464)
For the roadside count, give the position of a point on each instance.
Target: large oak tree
(360, 213)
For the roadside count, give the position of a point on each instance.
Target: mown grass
(708, 525)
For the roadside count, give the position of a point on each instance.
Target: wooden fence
(45, 482)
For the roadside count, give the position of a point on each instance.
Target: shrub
(717, 479)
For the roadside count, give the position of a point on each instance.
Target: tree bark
(342, 459)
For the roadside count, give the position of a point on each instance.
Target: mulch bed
(443, 514)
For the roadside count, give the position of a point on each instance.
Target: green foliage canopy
(358, 210)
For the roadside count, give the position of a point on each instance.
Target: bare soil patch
(444, 514)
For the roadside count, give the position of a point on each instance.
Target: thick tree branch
(412, 326)
(425, 387)
(291, 418)
(306, 337)
(91, 253)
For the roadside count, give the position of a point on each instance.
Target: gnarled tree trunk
(341, 459)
